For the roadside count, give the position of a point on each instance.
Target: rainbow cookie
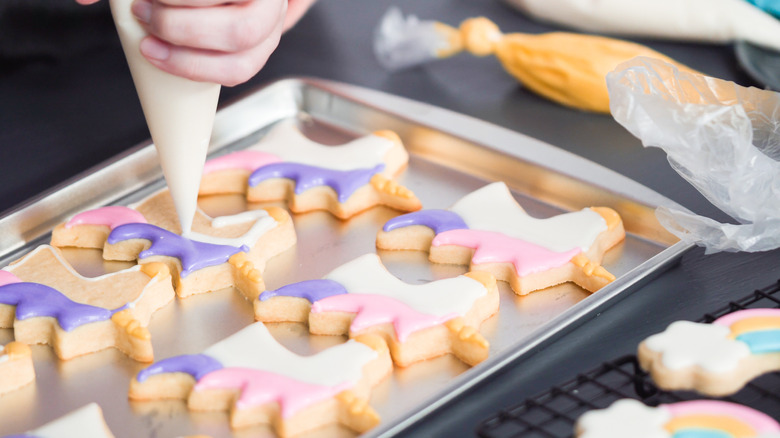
(85, 422)
(689, 419)
(261, 382)
(714, 359)
(286, 165)
(490, 231)
(418, 322)
(46, 301)
(16, 366)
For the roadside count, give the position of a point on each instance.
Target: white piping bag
(180, 114)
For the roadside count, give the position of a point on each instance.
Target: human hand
(210, 40)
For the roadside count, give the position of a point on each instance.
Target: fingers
(223, 42)
(295, 10)
(226, 68)
(230, 27)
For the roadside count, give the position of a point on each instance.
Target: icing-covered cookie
(714, 359)
(265, 232)
(85, 422)
(16, 366)
(46, 301)
(417, 321)
(259, 381)
(343, 179)
(490, 231)
(689, 419)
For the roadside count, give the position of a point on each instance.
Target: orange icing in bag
(568, 68)
(180, 114)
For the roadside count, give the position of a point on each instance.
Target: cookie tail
(589, 274)
(394, 195)
(131, 337)
(468, 344)
(247, 278)
(355, 413)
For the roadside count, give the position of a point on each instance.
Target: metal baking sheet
(451, 155)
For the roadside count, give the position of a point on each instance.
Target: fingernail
(142, 9)
(155, 49)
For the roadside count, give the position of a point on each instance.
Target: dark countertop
(60, 115)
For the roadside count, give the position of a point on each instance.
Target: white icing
(3, 355)
(263, 224)
(80, 277)
(288, 143)
(492, 208)
(718, 21)
(624, 418)
(708, 346)
(86, 422)
(254, 347)
(179, 112)
(367, 275)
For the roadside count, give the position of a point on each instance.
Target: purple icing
(312, 290)
(196, 365)
(344, 182)
(437, 220)
(193, 255)
(34, 299)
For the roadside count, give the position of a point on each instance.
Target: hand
(211, 40)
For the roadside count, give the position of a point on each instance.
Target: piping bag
(722, 138)
(568, 68)
(179, 112)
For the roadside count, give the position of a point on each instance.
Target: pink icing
(377, 309)
(8, 278)
(493, 247)
(260, 387)
(242, 160)
(759, 421)
(731, 318)
(112, 217)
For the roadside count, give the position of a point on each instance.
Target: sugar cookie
(696, 418)
(85, 422)
(418, 322)
(46, 301)
(714, 359)
(344, 179)
(16, 366)
(490, 231)
(261, 382)
(89, 229)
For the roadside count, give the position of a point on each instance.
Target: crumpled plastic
(402, 42)
(722, 138)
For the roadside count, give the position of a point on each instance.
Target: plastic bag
(567, 68)
(722, 138)
(401, 42)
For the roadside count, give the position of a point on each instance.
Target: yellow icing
(568, 68)
(610, 216)
(590, 268)
(734, 427)
(131, 325)
(17, 350)
(754, 324)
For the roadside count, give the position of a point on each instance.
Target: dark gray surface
(60, 115)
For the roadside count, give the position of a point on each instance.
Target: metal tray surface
(451, 155)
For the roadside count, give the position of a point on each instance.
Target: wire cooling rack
(553, 413)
